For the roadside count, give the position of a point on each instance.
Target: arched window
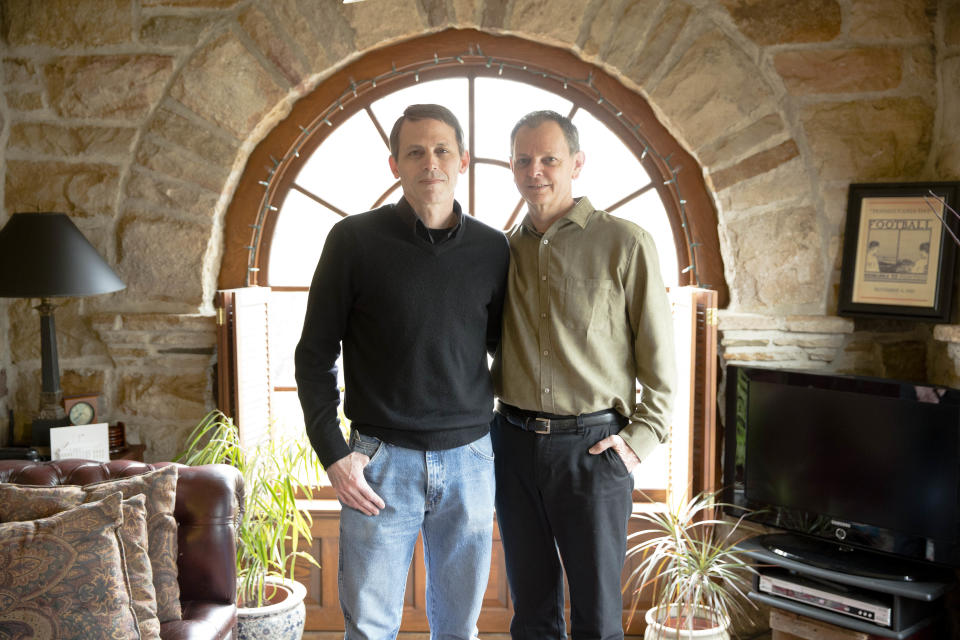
(328, 159)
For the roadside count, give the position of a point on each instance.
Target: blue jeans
(448, 496)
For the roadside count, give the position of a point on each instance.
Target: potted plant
(271, 526)
(698, 576)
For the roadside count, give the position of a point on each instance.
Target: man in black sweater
(413, 292)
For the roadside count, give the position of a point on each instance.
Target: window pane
(500, 104)
(652, 472)
(302, 227)
(287, 309)
(497, 196)
(647, 212)
(350, 169)
(449, 92)
(611, 171)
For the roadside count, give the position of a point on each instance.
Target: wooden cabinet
(323, 606)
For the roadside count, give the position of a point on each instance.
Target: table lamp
(44, 255)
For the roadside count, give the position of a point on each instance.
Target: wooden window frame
(270, 169)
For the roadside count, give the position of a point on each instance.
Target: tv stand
(891, 608)
(835, 556)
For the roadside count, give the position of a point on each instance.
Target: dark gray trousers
(558, 503)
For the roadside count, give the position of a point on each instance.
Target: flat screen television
(860, 474)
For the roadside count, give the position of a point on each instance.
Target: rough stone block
(188, 4)
(819, 324)
(225, 84)
(66, 141)
(176, 395)
(754, 137)
(61, 23)
(869, 139)
(159, 193)
(951, 22)
(24, 100)
(215, 145)
(947, 333)
(162, 259)
(313, 31)
(274, 45)
(777, 261)
(20, 71)
(858, 70)
(715, 87)
(619, 30)
(375, 22)
(755, 165)
(123, 87)
(786, 21)
(494, 14)
(947, 150)
(735, 321)
(75, 189)
(81, 381)
(889, 19)
(75, 336)
(662, 38)
(787, 183)
(173, 30)
(171, 161)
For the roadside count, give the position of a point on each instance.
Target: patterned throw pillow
(20, 503)
(160, 489)
(62, 576)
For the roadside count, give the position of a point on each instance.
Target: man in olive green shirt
(586, 317)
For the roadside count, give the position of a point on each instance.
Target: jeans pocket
(482, 448)
(367, 445)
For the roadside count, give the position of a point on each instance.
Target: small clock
(82, 409)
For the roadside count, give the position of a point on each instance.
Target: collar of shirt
(579, 214)
(410, 217)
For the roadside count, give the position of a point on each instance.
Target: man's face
(428, 163)
(544, 169)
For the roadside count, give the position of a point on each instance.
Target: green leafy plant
(690, 560)
(276, 472)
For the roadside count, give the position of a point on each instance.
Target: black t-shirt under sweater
(416, 320)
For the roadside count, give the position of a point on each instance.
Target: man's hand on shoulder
(630, 459)
(346, 476)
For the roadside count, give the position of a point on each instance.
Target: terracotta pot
(282, 620)
(659, 626)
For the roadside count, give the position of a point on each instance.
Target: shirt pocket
(590, 304)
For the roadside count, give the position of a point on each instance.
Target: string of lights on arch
(475, 56)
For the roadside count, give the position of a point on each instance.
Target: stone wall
(137, 116)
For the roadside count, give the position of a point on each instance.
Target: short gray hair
(536, 118)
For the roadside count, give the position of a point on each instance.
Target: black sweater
(416, 321)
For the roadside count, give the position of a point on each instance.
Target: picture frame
(899, 251)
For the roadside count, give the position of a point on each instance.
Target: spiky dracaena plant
(691, 562)
(271, 527)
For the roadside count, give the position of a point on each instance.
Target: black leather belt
(546, 423)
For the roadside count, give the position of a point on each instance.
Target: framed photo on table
(899, 250)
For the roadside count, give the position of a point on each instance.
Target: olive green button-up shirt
(587, 316)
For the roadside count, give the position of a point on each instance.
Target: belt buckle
(545, 429)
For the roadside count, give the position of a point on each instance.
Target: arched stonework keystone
(225, 84)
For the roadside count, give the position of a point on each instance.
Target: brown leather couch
(208, 499)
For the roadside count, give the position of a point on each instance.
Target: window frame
(271, 168)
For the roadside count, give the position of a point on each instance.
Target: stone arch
(705, 80)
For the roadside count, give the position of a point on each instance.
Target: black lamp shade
(44, 255)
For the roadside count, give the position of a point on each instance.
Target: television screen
(863, 462)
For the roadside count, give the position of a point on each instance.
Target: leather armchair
(207, 508)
